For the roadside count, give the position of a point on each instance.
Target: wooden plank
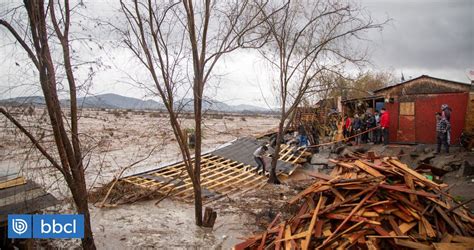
(306, 241)
(429, 230)
(381, 231)
(12, 183)
(342, 164)
(462, 239)
(410, 184)
(354, 218)
(415, 174)
(238, 175)
(354, 210)
(318, 228)
(394, 226)
(453, 246)
(299, 156)
(280, 236)
(288, 237)
(297, 220)
(284, 155)
(209, 179)
(368, 169)
(448, 220)
(412, 244)
(407, 190)
(320, 176)
(446, 238)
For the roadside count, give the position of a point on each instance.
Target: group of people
(367, 127)
(371, 127)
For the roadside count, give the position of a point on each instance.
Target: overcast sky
(424, 37)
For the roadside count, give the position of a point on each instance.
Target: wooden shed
(412, 106)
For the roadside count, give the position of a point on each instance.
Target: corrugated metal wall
(425, 122)
(428, 105)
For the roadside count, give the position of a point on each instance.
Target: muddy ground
(117, 141)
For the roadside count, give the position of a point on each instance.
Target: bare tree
(308, 39)
(37, 44)
(167, 37)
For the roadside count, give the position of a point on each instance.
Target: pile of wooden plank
(369, 202)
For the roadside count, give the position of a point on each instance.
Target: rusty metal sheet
(406, 130)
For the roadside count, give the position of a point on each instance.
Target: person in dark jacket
(363, 128)
(370, 125)
(356, 124)
(442, 128)
(377, 131)
(446, 114)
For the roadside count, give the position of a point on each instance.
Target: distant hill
(114, 101)
(187, 104)
(24, 100)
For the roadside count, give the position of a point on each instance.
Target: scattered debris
(372, 202)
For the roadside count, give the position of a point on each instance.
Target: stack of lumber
(368, 202)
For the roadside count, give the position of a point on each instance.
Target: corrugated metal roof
(24, 199)
(241, 150)
(422, 76)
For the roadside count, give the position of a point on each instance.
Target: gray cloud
(425, 37)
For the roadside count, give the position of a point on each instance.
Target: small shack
(412, 106)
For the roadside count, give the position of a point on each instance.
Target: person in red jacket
(384, 125)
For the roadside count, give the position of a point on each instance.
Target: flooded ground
(115, 141)
(118, 141)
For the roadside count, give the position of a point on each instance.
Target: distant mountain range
(114, 101)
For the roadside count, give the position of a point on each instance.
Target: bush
(116, 113)
(154, 114)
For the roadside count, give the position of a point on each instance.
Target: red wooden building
(412, 106)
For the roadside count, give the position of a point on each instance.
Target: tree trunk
(83, 208)
(79, 194)
(197, 153)
(273, 178)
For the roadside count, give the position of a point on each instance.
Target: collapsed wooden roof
(227, 170)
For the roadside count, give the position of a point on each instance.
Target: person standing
(446, 114)
(384, 125)
(377, 125)
(302, 137)
(258, 157)
(442, 128)
(370, 126)
(363, 128)
(356, 128)
(347, 127)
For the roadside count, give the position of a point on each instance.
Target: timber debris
(370, 202)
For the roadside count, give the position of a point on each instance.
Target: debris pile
(374, 203)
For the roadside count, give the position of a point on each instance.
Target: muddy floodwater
(169, 224)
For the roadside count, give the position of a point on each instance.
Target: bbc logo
(23, 226)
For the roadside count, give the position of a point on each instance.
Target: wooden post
(209, 217)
